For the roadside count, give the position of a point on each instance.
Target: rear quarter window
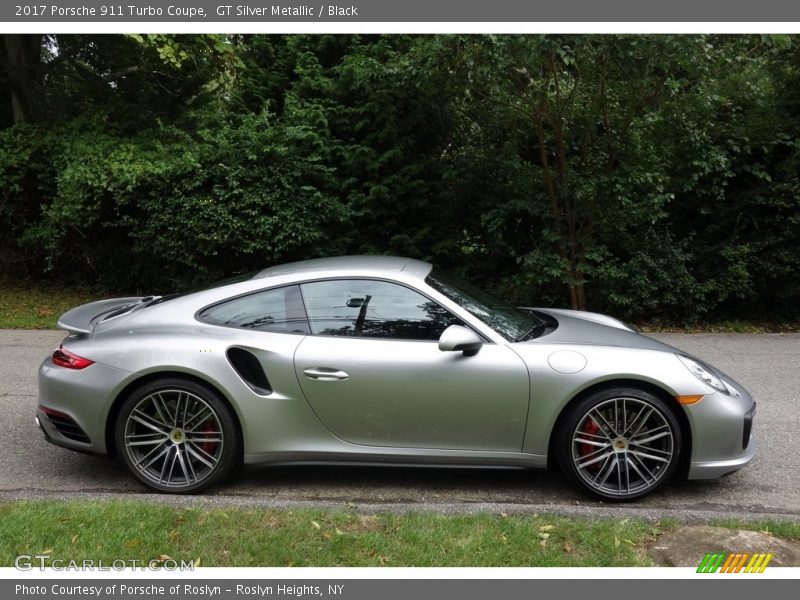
(279, 310)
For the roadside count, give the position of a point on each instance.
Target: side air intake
(247, 365)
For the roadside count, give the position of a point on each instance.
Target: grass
(265, 537)
(37, 306)
(730, 326)
(782, 529)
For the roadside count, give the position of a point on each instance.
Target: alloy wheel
(623, 447)
(173, 439)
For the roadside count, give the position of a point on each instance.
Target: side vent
(247, 365)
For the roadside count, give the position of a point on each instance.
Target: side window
(373, 309)
(280, 310)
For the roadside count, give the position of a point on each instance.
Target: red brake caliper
(209, 447)
(591, 428)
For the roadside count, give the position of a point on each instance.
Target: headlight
(704, 374)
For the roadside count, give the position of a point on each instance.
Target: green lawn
(36, 306)
(260, 537)
(781, 529)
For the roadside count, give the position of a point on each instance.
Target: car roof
(361, 264)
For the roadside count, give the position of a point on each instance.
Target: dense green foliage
(652, 177)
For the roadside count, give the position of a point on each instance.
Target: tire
(619, 444)
(176, 436)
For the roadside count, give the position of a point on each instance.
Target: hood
(579, 327)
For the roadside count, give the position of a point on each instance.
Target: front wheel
(619, 444)
(176, 436)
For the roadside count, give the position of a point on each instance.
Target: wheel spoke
(602, 423)
(203, 440)
(154, 458)
(161, 408)
(653, 434)
(650, 456)
(633, 459)
(197, 452)
(631, 464)
(623, 474)
(608, 470)
(148, 421)
(151, 442)
(167, 462)
(204, 412)
(591, 442)
(591, 459)
(184, 467)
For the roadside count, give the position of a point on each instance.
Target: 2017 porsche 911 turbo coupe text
(383, 360)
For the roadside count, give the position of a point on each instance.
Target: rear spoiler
(82, 319)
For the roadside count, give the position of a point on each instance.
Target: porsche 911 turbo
(388, 361)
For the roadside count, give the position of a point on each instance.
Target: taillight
(64, 358)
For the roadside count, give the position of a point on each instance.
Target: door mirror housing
(458, 338)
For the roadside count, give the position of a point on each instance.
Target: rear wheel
(176, 436)
(619, 444)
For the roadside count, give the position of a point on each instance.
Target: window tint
(376, 309)
(279, 310)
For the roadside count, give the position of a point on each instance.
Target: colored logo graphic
(720, 562)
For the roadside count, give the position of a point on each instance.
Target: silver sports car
(383, 360)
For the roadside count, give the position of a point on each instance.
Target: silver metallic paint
(486, 418)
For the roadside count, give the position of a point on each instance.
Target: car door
(374, 375)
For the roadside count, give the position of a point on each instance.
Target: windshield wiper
(540, 326)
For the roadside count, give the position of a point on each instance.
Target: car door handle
(325, 374)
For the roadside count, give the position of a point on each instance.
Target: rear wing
(82, 319)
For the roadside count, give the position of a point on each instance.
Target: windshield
(514, 324)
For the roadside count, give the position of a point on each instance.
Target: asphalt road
(767, 364)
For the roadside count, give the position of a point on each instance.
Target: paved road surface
(768, 365)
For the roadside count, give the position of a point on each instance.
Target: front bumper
(713, 469)
(722, 438)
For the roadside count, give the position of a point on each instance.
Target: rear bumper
(74, 404)
(55, 437)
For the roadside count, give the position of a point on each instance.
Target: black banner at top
(460, 11)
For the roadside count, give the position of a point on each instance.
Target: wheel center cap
(620, 445)
(176, 436)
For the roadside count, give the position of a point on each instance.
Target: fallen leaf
(315, 525)
(504, 515)
(326, 535)
(543, 543)
(567, 548)
(616, 541)
(544, 536)
(197, 562)
(547, 528)
(339, 531)
(504, 539)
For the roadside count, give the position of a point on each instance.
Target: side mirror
(457, 338)
(354, 302)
